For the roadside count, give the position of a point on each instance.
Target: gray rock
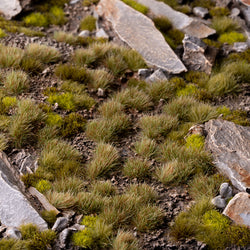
(158, 75)
(60, 224)
(234, 12)
(144, 73)
(179, 20)
(219, 202)
(226, 191)
(223, 3)
(74, 1)
(13, 232)
(143, 37)
(238, 209)
(10, 8)
(84, 33)
(15, 208)
(77, 227)
(230, 147)
(246, 13)
(100, 92)
(64, 237)
(240, 47)
(200, 11)
(194, 55)
(101, 34)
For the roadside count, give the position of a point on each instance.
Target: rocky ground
(172, 199)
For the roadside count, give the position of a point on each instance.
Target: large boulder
(15, 208)
(11, 8)
(230, 147)
(179, 20)
(238, 209)
(139, 32)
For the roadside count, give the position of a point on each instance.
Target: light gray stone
(230, 147)
(13, 232)
(158, 75)
(101, 34)
(219, 202)
(240, 47)
(15, 209)
(234, 12)
(200, 11)
(60, 224)
(139, 32)
(74, 1)
(194, 55)
(100, 92)
(144, 73)
(84, 33)
(64, 237)
(226, 191)
(10, 8)
(179, 20)
(238, 209)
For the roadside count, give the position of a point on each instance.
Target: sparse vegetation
(136, 168)
(137, 6)
(232, 37)
(224, 24)
(10, 57)
(125, 241)
(145, 147)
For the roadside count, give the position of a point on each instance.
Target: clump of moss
(56, 16)
(49, 216)
(195, 141)
(232, 37)
(96, 234)
(73, 123)
(43, 186)
(137, 6)
(54, 119)
(189, 90)
(36, 19)
(2, 33)
(88, 23)
(219, 11)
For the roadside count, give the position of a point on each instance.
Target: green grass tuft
(157, 126)
(136, 168)
(105, 159)
(108, 129)
(224, 24)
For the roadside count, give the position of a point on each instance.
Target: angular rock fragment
(139, 32)
(158, 75)
(179, 20)
(15, 209)
(238, 209)
(60, 224)
(200, 11)
(230, 147)
(193, 56)
(219, 202)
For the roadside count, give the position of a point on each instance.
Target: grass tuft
(137, 6)
(100, 78)
(105, 159)
(103, 188)
(224, 24)
(136, 168)
(16, 82)
(157, 126)
(110, 108)
(125, 241)
(10, 57)
(232, 37)
(145, 147)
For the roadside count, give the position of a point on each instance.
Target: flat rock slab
(238, 209)
(230, 146)
(139, 32)
(15, 209)
(179, 20)
(10, 8)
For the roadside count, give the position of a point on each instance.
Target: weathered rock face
(139, 33)
(15, 209)
(193, 56)
(238, 209)
(11, 8)
(179, 20)
(230, 146)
